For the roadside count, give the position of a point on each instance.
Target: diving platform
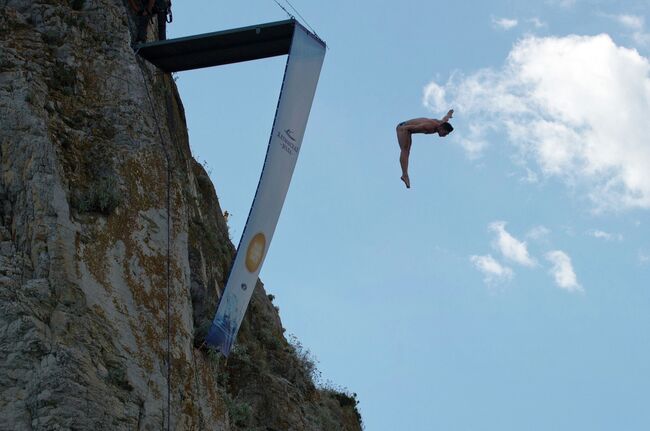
(221, 47)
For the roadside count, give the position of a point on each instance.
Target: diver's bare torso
(420, 125)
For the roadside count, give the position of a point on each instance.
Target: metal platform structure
(222, 47)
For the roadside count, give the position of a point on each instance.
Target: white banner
(300, 79)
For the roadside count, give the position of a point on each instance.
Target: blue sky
(509, 288)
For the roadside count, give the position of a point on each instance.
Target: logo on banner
(290, 132)
(288, 142)
(255, 252)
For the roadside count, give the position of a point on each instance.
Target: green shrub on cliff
(102, 197)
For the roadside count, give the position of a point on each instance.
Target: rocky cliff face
(113, 249)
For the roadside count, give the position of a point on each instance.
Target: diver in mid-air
(418, 125)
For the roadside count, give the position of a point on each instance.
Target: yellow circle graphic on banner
(255, 252)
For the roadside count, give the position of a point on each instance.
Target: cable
(285, 11)
(168, 267)
(301, 17)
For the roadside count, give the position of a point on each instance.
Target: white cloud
(633, 22)
(576, 106)
(538, 23)
(491, 269)
(562, 3)
(510, 246)
(530, 176)
(473, 147)
(434, 98)
(562, 271)
(474, 144)
(644, 258)
(605, 235)
(642, 39)
(505, 23)
(538, 233)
